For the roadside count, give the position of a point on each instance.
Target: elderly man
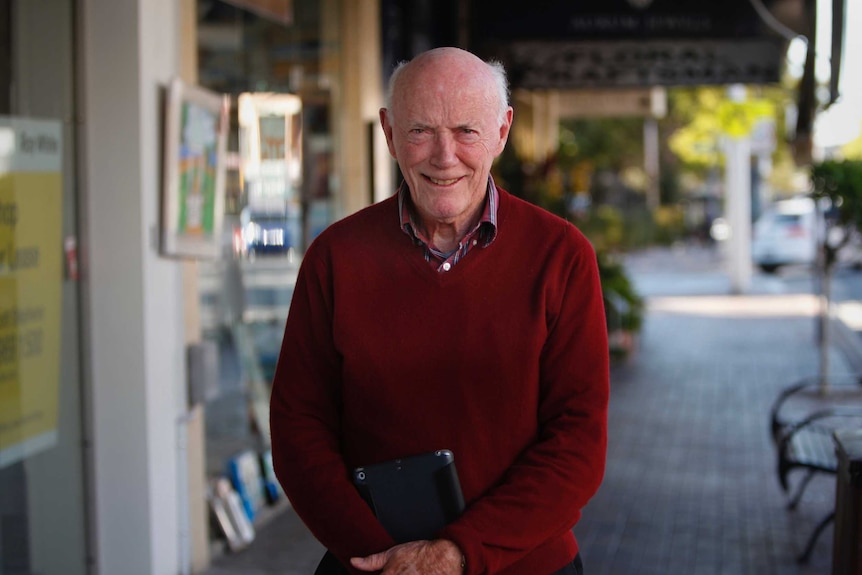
(449, 316)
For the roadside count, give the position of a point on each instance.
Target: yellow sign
(737, 119)
(30, 285)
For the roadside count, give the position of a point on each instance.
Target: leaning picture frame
(193, 188)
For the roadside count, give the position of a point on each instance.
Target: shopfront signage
(622, 43)
(560, 65)
(31, 251)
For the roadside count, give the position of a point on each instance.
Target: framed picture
(196, 126)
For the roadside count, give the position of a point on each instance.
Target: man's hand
(438, 557)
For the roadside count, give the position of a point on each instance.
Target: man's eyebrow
(426, 126)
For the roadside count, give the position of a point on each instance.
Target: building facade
(102, 456)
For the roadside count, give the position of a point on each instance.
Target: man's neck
(445, 236)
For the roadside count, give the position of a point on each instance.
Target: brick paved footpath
(690, 487)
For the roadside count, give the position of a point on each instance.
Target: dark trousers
(576, 567)
(329, 565)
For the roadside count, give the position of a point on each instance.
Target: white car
(785, 234)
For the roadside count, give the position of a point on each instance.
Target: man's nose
(443, 154)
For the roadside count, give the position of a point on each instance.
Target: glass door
(42, 490)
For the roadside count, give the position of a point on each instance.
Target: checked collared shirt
(482, 234)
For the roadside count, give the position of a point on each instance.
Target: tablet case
(414, 497)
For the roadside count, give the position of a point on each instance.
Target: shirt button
(447, 266)
(475, 242)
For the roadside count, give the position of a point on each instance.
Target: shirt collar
(487, 224)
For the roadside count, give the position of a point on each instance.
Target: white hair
(498, 73)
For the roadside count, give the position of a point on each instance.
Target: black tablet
(414, 497)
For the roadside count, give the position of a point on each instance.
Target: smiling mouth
(437, 182)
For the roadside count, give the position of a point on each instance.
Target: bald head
(449, 62)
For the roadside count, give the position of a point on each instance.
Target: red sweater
(503, 359)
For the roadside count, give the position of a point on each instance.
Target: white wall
(133, 298)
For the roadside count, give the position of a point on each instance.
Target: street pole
(824, 333)
(737, 188)
(738, 198)
(651, 162)
(824, 284)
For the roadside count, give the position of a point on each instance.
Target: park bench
(803, 419)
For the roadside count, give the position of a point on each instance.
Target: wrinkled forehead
(465, 95)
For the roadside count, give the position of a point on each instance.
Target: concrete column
(133, 297)
(651, 162)
(536, 127)
(523, 133)
(361, 98)
(194, 514)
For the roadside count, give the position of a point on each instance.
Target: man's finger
(371, 563)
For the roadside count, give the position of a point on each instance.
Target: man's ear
(387, 130)
(505, 128)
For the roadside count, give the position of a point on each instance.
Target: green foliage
(841, 182)
(606, 143)
(853, 150)
(624, 307)
(669, 224)
(696, 139)
(694, 131)
(605, 227)
(613, 230)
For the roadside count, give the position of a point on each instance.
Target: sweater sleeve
(304, 421)
(543, 492)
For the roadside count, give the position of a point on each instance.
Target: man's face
(445, 131)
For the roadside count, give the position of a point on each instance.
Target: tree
(693, 125)
(695, 133)
(853, 150)
(837, 188)
(840, 182)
